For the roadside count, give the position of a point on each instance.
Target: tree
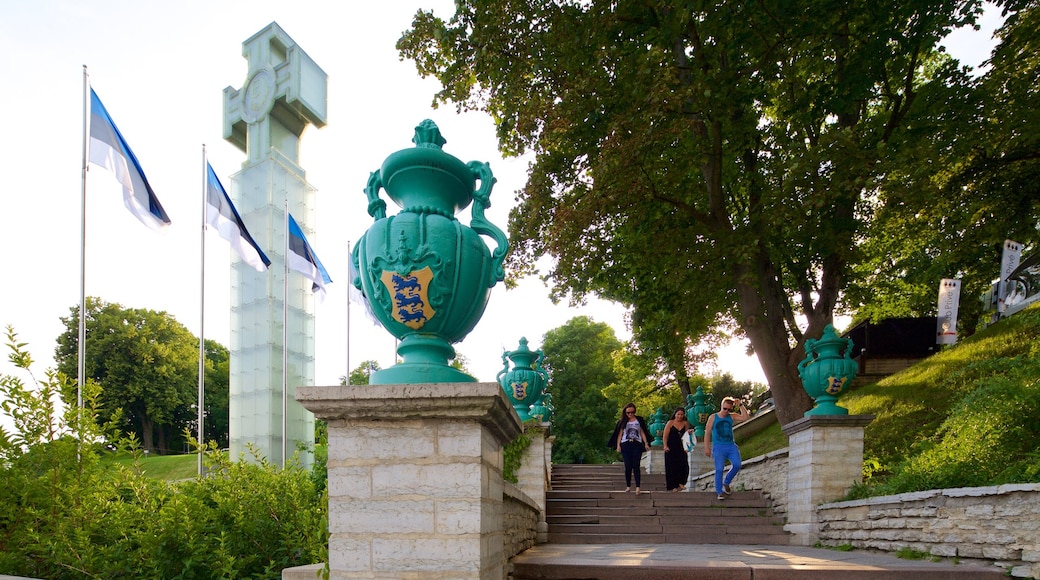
(719, 159)
(579, 361)
(361, 374)
(639, 381)
(217, 419)
(146, 364)
(967, 179)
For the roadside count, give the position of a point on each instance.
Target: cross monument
(284, 92)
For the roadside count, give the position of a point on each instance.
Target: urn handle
(376, 206)
(480, 224)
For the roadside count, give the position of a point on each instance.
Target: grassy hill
(966, 416)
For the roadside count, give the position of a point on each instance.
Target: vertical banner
(949, 300)
(1008, 262)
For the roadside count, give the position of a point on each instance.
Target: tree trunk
(147, 429)
(765, 324)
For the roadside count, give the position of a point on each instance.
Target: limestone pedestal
(415, 478)
(653, 460)
(534, 473)
(825, 459)
(699, 465)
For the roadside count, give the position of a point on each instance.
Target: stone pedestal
(825, 459)
(415, 478)
(699, 465)
(653, 460)
(533, 475)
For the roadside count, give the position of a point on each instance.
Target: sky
(160, 69)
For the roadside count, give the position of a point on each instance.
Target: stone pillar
(533, 475)
(825, 459)
(415, 478)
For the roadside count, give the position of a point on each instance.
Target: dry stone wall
(1000, 524)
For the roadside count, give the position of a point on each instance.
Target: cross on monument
(284, 91)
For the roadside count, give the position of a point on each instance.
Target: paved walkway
(734, 561)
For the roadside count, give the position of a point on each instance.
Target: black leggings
(631, 452)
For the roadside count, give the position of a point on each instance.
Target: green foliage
(147, 365)
(639, 381)
(66, 514)
(768, 440)
(966, 416)
(710, 164)
(724, 385)
(513, 453)
(579, 361)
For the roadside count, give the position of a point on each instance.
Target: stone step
(673, 561)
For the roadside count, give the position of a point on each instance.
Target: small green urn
(657, 425)
(426, 275)
(827, 369)
(703, 407)
(525, 383)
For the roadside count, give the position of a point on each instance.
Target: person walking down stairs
(676, 460)
(631, 438)
(719, 443)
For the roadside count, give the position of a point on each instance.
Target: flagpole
(349, 257)
(82, 357)
(202, 313)
(285, 323)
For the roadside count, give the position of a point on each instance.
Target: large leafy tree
(715, 160)
(579, 360)
(146, 364)
(968, 178)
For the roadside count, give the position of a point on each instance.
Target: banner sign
(949, 300)
(1008, 263)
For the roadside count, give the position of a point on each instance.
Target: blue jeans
(720, 452)
(631, 452)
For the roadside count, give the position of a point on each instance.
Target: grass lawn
(168, 467)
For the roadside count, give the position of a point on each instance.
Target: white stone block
(427, 554)
(382, 516)
(457, 480)
(349, 554)
(457, 517)
(350, 482)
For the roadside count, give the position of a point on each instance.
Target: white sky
(160, 69)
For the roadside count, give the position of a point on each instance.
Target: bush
(66, 514)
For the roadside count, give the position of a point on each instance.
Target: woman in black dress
(676, 461)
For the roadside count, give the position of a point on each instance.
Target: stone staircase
(588, 505)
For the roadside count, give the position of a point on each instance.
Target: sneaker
(726, 490)
(721, 497)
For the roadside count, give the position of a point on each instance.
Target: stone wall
(767, 473)
(520, 516)
(1000, 524)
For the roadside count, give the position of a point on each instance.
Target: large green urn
(426, 275)
(827, 370)
(525, 383)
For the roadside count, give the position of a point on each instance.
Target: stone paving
(675, 561)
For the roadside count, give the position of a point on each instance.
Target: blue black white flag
(109, 150)
(303, 259)
(222, 215)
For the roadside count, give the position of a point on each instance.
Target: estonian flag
(303, 259)
(222, 215)
(109, 150)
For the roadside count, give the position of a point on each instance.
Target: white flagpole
(202, 314)
(285, 324)
(349, 257)
(82, 364)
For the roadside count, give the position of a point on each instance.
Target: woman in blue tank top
(719, 444)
